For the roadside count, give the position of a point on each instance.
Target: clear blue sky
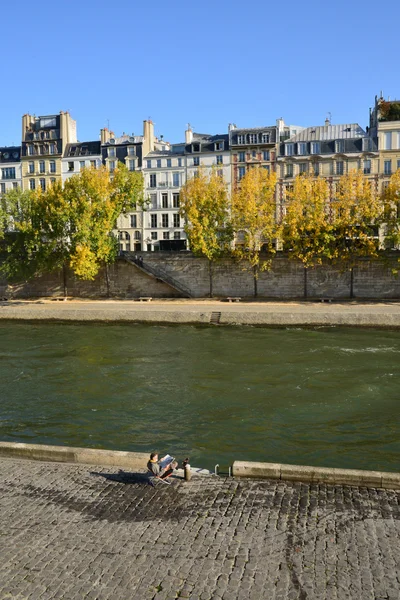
(208, 63)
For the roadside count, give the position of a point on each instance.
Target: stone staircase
(159, 275)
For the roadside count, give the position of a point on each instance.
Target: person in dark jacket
(154, 466)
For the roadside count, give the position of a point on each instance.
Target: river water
(327, 396)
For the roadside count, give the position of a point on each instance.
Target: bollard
(188, 473)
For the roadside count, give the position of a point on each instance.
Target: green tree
(254, 220)
(204, 206)
(71, 226)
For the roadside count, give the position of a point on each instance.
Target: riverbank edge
(202, 315)
(247, 469)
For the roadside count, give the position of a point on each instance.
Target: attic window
(348, 129)
(219, 145)
(72, 151)
(195, 147)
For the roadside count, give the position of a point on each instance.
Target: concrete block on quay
(90, 456)
(358, 477)
(391, 481)
(353, 477)
(256, 469)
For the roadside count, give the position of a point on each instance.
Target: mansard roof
(328, 132)
(82, 149)
(207, 142)
(10, 154)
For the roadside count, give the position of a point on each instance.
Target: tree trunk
(352, 282)
(305, 283)
(65, 280)
(255, 275)
(211, 277)
(107, 281)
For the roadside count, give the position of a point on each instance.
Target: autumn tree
(356, 213)
(306, 227)
(391, 211)
(70, 226)
(204, 206)
(254, 220)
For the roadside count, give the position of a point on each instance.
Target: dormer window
(366, 144)
(301, 148)
(195, 147)
(315, 148)
(339, 146)
(241, 139)
(253, 138)
(265, 138)
(219, 146)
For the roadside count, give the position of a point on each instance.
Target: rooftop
(329, 132)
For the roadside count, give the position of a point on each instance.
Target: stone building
(10, 168)
(44, 140)
(385, 126)
(329, 151)
(78, 156)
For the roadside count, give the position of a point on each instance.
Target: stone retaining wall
(286, 279)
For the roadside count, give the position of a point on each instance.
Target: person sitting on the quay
(156, 467)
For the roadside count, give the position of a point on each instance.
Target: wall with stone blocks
(286, 279)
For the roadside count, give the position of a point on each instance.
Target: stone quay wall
(286, 279)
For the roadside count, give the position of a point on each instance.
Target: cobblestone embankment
(73, 531)
(382, 314)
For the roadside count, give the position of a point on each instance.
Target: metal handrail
(160, 274)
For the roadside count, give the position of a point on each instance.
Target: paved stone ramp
(78, 532)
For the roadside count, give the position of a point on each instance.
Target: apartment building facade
(43, 145)
(385, 126)
(329, 151)
(79, 156)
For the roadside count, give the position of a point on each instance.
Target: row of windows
(165, 201)
(112, 164)
(304, 148)
(42, 149)
(111, 152)
(254, 138)
(254, 154)
(3, 187)
(42, 183)
(387, 166)
(165, 220)
(163, 181)
(41, 166)
(162, 163)
(336, 168)
(391, 140)
(82, 165)
(8, 173)
(242, 171)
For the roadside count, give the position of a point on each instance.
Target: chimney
(231, 127)
(188, 135)
(105, 135)
(148, 137)
(26, 124)
(327, 122)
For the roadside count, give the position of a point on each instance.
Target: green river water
(327, 396)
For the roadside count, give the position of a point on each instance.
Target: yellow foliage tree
(391, 211)
(204, 206)
(306, 226)
(356, 213)
(254, 220)
(71, 226)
